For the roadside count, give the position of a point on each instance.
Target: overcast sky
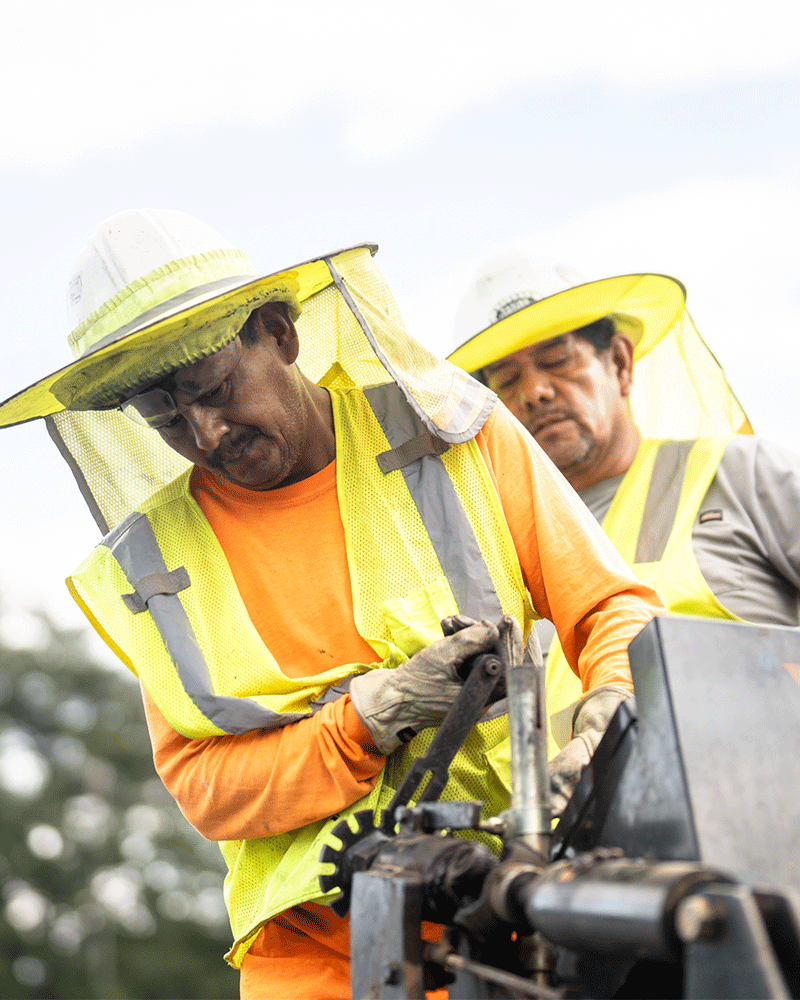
(617, 136)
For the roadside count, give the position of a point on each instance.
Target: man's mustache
(539, 419)
(229, 451)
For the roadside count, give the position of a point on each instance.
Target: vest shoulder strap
(664, 477)
(434, 495)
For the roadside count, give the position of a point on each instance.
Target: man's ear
(622, 359)
(275, 321)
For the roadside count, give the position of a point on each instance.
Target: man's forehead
(533, 350)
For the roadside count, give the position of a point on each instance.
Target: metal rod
(529, 816)
(489, 974)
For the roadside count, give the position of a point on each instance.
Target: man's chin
(566, 455)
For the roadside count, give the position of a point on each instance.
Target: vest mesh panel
(373, 525)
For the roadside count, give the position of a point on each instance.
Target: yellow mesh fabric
(398, 602)
(238, 662)
(122, 462)
(438, 390)
(269, 876)
(379, 514)
(680, 390)
(491, 530)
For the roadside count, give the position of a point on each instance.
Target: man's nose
(535, 386)
(207, 424)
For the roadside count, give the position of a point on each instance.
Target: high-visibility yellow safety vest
(159, 590)
(650, 522)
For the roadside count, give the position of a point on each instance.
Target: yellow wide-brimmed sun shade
(645, 307)
(177, 331)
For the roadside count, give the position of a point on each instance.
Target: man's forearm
(259, 784)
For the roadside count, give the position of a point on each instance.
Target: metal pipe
(620, 906)
(529, 815)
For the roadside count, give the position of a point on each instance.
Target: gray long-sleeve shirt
(749, 554)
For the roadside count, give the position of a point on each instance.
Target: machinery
(673, 872)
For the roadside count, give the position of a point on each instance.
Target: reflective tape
(441, 511)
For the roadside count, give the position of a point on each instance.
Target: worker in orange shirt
(301, 497)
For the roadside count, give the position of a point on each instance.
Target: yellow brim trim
(649, 303)
(99, 380)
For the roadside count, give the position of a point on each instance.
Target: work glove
(395, 704)
(589, 721)
(509, 645)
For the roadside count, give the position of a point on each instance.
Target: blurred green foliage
(105, 890)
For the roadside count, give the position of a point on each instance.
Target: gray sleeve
(750, 554)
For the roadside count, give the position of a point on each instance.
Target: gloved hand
(589, 721)
(509, 644)
(418, 693)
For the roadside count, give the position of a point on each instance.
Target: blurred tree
(105, 890)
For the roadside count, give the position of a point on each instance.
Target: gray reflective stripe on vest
(441, 511)
(134, 546)
(661, 504)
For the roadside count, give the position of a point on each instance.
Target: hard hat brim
(177, 333)
(645, 306)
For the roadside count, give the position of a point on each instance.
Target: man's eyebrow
(497, 365)
(193, 386)
(188, 385)
(559, 341)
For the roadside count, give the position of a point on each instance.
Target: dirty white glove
(510, 645)
(589, 721)
(394, 704)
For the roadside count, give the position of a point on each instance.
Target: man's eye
(214, 395)
(502, 382)
(175, 426)
(506, 384)
(554, 362)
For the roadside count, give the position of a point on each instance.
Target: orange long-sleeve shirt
(286, 550)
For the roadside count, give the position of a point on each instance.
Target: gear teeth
(328, 856)
(341, 904)
(365, 822)
(340, 878)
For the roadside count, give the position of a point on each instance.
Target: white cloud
(93, 75)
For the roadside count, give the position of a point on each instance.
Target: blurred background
(617, 137)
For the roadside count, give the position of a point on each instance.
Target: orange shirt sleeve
(262, 783)
(575, 576)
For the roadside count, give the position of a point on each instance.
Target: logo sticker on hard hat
(510, 305)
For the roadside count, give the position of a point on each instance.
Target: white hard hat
(515, 301)
(153, 290)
